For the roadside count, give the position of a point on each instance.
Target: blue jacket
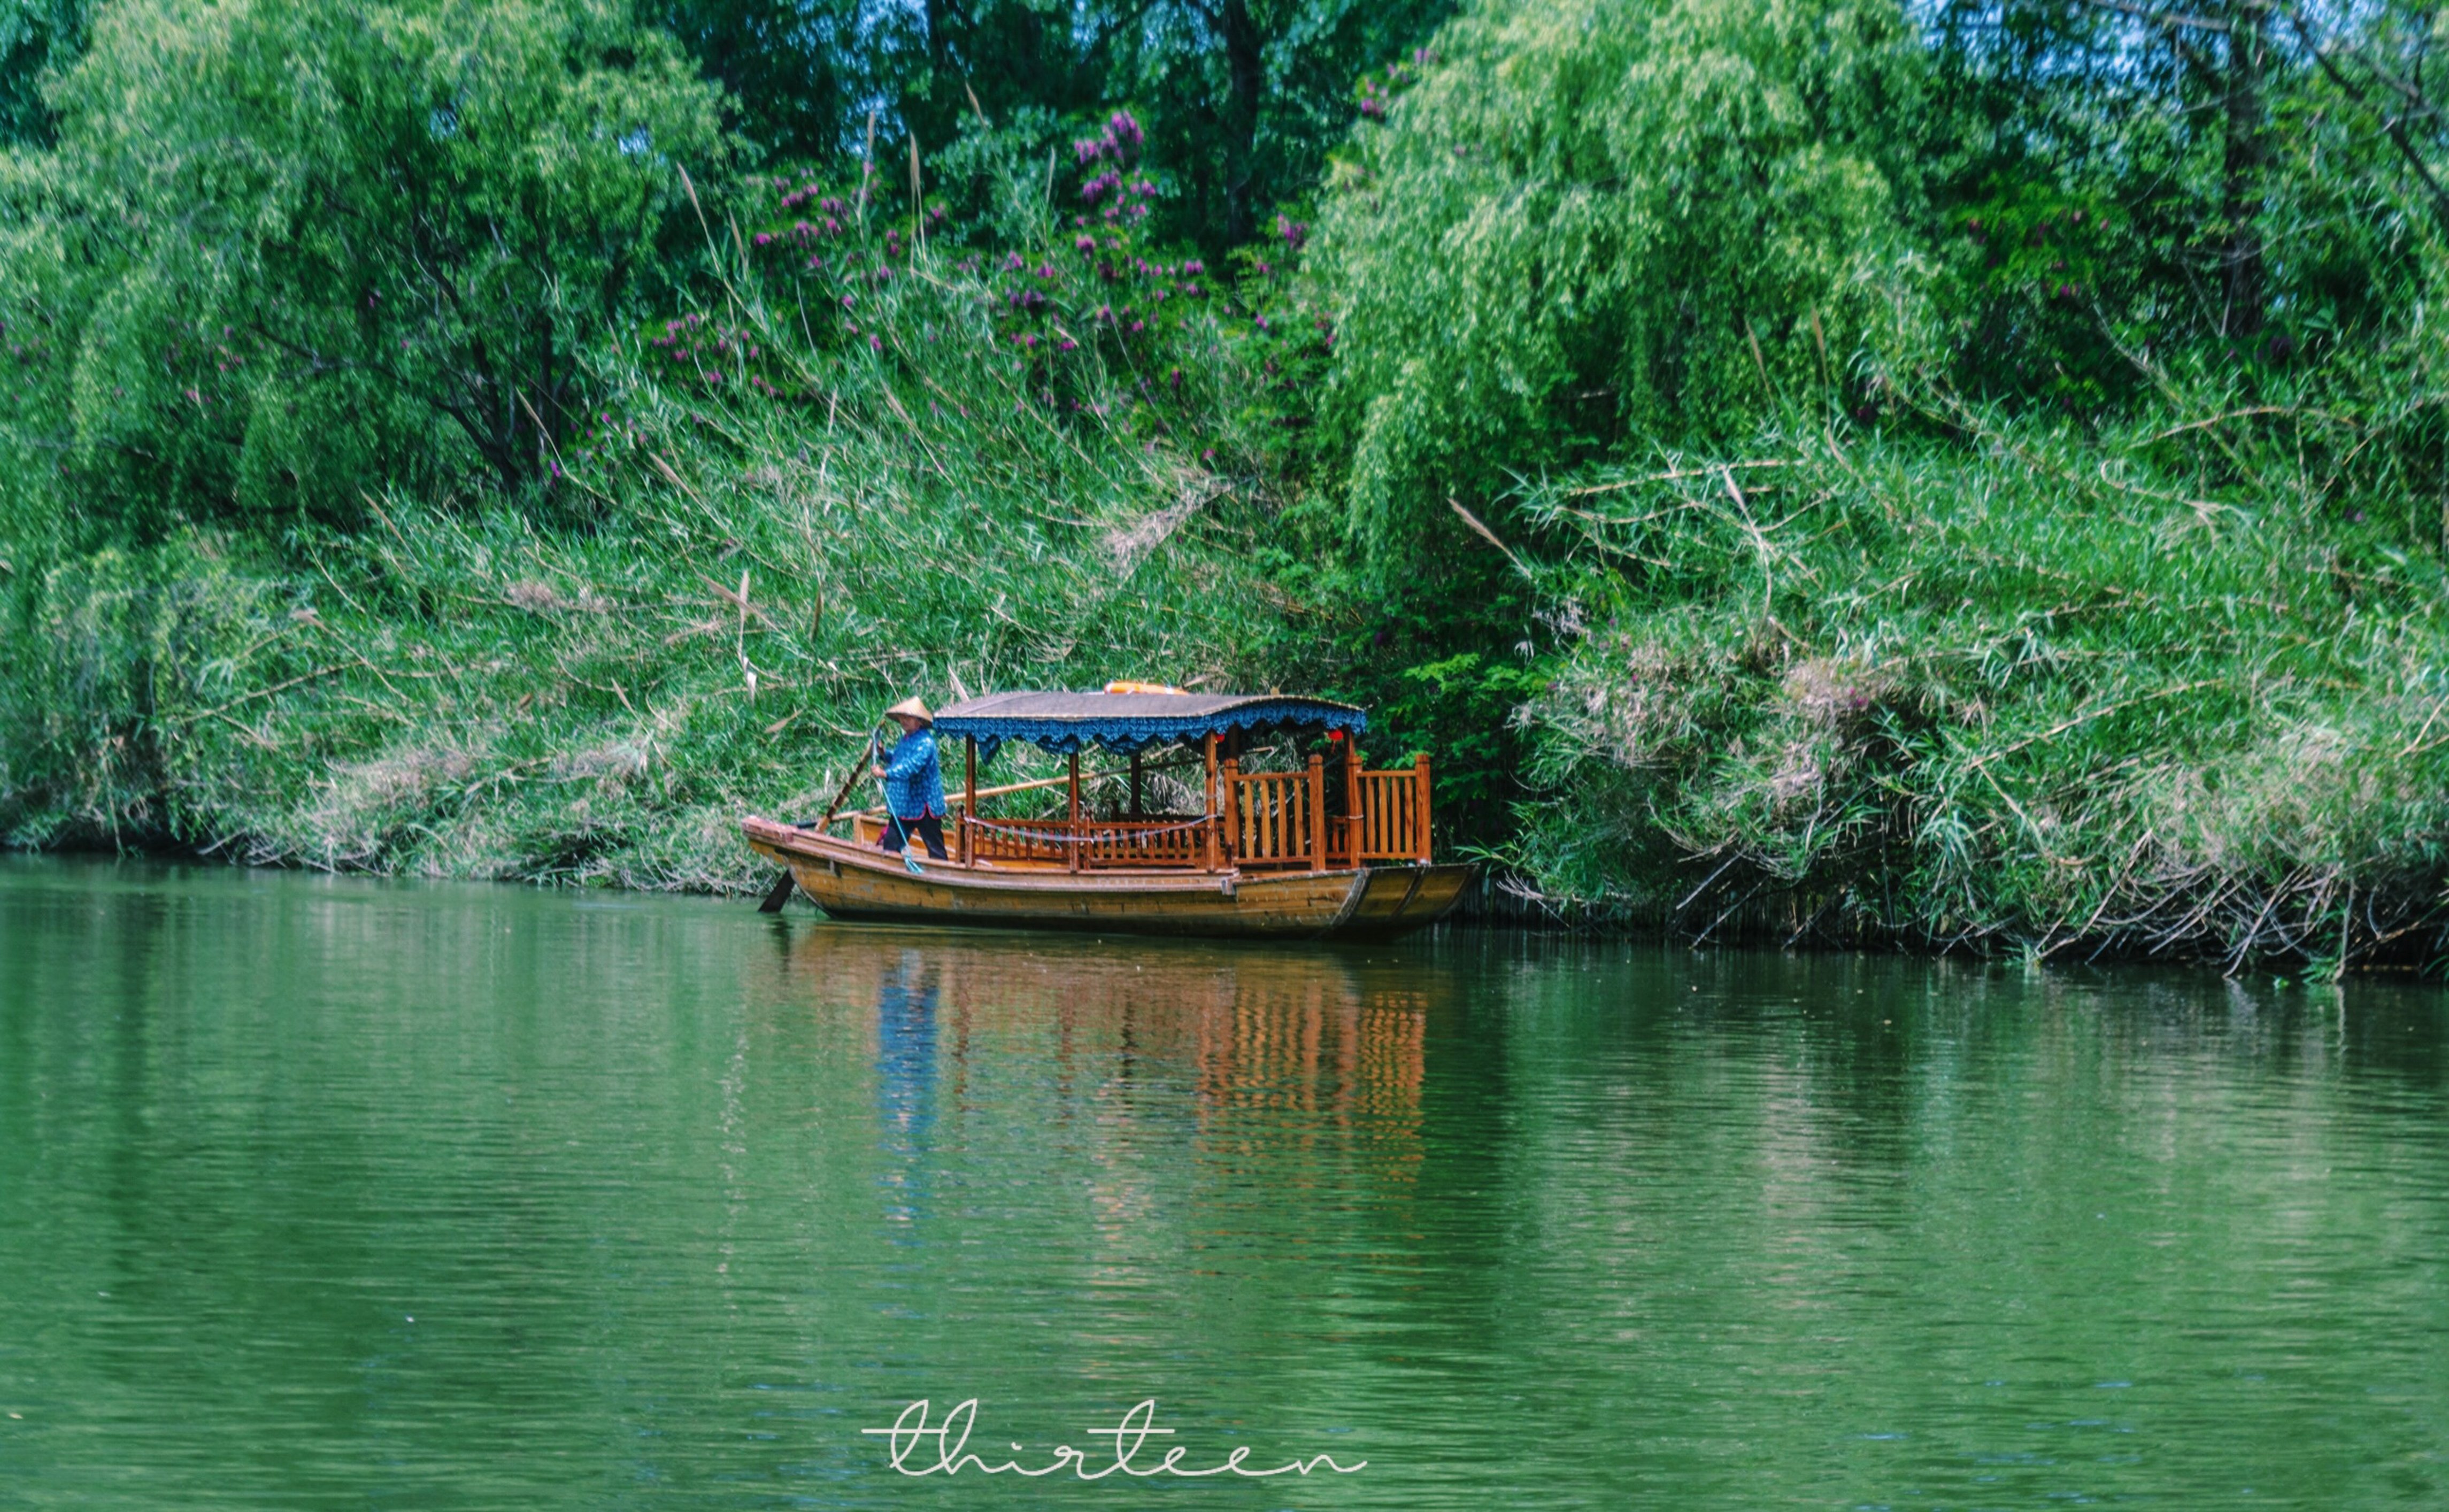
(914, 779)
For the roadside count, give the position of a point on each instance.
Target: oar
(849, 782)
(780, 893)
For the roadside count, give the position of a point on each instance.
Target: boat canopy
(1069, 722)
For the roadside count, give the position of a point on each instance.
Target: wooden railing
(1387, 814)
(1087, 845)
(1281, 818)
(1276, 819)
(1264, 821)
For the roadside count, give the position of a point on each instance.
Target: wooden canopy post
(1420, 805)
(1228, 780)
(1073, 852)
(1352, 797)
(1317, 812)
(968, 792)
(1210, 790)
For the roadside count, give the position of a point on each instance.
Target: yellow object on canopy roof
(1126, 686)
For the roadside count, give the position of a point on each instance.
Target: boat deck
(851, 880)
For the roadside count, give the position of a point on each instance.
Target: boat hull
(855, 882)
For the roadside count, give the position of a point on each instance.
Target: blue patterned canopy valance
(1068, 722)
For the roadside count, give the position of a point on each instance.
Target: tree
(311, 246)
(1248, 97)
(1606, 226)
(37, 37)
(796, 73)
(1243, 99)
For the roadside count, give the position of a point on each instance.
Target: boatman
(914, 782)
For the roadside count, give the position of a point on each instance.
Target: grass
(2023, 692)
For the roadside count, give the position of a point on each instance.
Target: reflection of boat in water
(1302, 851)
(1251, 1034)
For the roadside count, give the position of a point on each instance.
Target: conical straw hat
(913, 708)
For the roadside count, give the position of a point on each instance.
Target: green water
(326, 1193)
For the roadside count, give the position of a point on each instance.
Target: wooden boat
(1314, 848)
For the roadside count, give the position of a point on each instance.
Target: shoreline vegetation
(1971, 481)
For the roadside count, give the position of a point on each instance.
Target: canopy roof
(1134, 721)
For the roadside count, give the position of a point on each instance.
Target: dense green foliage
(1241, 98)
(1972, 474)
(35, 36)
(353, 245)
(832, 484)
(1611, 225)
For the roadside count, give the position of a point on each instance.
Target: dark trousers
(929, 830)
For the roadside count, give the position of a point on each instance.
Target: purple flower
(762, 238)
(1085, 245)
(1193, 268)
(874, 342)
(1125, 128)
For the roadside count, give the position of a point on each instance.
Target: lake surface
(334, 1193)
